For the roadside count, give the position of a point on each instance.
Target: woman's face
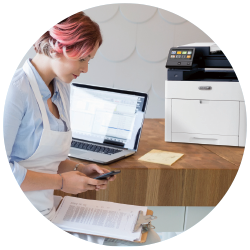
(69, 69)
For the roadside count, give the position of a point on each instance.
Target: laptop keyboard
(94, 148)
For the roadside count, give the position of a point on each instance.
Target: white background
(119, 64)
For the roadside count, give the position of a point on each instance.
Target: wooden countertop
(200, 178)
(196, 156)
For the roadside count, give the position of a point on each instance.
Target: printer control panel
(180, 57)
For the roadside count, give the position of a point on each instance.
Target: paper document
(161, 157)
(99, 218)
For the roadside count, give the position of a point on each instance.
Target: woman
(36, 118)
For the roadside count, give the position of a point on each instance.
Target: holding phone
(105, 176)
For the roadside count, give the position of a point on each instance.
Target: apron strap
(37, 93)
(63, 100)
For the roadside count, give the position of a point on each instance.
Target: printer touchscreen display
(180, 54)
(180, 57)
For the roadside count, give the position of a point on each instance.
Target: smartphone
(105, 176)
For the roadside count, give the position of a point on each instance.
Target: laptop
(106, 123)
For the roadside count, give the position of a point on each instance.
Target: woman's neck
(42, 64)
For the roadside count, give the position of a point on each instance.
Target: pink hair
(75, 37)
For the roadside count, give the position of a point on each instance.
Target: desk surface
(200, 178)
(196, 156)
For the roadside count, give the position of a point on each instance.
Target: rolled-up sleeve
(13, 113)
(19, 173)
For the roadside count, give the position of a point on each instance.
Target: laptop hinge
(102, 144)
(113, 143)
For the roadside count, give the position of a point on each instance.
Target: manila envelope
(161, 157)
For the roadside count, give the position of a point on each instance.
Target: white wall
(137, 39)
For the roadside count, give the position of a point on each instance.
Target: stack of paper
(101, 218)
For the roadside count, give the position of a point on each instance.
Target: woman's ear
(53, 53)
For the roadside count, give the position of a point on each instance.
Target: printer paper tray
(206, 139)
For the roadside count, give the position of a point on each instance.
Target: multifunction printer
(204, 102)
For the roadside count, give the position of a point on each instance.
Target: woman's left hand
(93, 170)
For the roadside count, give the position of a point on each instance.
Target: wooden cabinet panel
(171, 187)
(61, 193)
(206, 187)
(200, 178)
(130, 187)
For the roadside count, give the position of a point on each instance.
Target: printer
(204, 102)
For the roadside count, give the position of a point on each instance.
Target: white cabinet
(214, 115)
(177, 219)
(195, 214)
(169, 219)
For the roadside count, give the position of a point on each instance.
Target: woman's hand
(75, 182)
(93, 170)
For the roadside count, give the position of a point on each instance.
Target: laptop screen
(105, 115)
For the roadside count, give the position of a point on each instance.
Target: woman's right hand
(75, 182)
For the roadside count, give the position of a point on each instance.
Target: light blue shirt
(23, 123)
